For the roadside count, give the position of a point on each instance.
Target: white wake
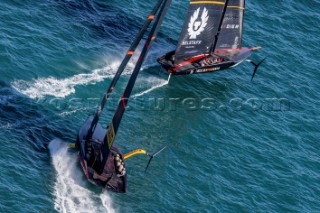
(150, 89)
(38, 88)
(156, 83)
(69, 191)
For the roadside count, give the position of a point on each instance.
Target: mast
(114, 125)
(219, 29)
(122, 67)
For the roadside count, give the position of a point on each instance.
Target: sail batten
(207, 2)
(236, 7)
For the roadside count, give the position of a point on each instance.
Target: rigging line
(122, 67)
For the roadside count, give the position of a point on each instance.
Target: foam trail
(61, 88)
(70, 194)
(152, 88)
(149, 90)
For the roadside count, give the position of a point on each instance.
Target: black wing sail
(115, 123)
(199, 29)
(232, 25)
(122, 66)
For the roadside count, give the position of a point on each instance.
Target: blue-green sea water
(233, 145)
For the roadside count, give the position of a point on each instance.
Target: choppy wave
(70, 194)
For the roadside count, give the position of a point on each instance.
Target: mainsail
(200, 28)
(101, 160)
(121, 68)
(210, 40)
(115, 123)
(232, 25)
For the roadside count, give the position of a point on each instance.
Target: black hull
(195, 67)
(110, 179)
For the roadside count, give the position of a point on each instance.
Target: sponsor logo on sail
(231, 26)
(197, 24)
(197, 42)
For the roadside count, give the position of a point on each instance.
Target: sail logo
(197, 24)
(231, 26)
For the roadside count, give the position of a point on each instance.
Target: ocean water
(233, 145)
